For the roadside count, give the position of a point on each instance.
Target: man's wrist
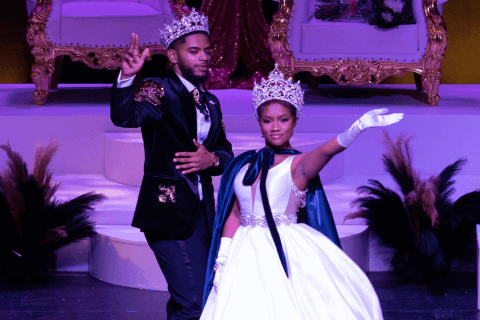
(124, 76)
(216, 160)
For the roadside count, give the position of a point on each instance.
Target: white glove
(221, 260)
(373, 118)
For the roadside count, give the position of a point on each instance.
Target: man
(185, 144)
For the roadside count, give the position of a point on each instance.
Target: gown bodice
(283, 196)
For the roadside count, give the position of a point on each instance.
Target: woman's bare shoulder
(297, 159)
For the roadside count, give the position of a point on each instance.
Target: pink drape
(237, 28)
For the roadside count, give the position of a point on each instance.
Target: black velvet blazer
(165, 111)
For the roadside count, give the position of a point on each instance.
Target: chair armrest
(52, 28)
(168, 13)
(300, 14)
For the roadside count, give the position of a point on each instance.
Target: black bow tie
(199, 98)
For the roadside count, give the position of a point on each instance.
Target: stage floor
(79, 296)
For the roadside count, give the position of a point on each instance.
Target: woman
(262, 263)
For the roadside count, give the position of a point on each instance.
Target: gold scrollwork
(435, 52)
(167, 193)
(105, 58)
(40, 94)
(278, 41)
(151, 92)
(180, 8)
(355, 72)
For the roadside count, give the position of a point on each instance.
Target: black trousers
(183, 262)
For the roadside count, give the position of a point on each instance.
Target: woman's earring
(261, 136)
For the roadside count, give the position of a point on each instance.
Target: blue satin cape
(317, 213)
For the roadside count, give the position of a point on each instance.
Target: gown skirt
(323, 282)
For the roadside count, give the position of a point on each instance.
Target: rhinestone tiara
(279, 88)
(187, 24)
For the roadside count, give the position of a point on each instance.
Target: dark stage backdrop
(460, 66)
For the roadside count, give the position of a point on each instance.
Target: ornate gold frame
(45, 52)
(359, 72)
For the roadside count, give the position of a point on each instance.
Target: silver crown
(279, 88)
(187, 24)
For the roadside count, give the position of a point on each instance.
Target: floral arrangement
(424, 226)
(330, 10)
(32, 223)
(382, 13)
(392, 13)
(340, 10)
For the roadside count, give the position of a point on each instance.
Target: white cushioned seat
(106, 23)
(310, 39)
(106, 9)
(340, 38)
(112, 23)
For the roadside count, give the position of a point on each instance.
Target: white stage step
(119, 207)
(120, 255)
(116, 210)
(124, 154)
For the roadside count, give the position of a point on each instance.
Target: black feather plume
(445, 189)
(386, 215)
(32, 226)
(73, 216)
(426, 228)
(457, 229)
(33, 221)
(398, 162)
(9, 236)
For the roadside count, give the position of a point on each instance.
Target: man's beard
(188, 74)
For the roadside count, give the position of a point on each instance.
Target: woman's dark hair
(286, 104)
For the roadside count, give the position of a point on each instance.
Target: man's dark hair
(182, 39)
(286, 104)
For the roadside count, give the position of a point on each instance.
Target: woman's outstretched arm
(306, 166)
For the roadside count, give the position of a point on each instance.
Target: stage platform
(97, 156)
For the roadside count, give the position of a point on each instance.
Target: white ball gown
(323, 283)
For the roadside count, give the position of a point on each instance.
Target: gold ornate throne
(94, 32)
(299, 42)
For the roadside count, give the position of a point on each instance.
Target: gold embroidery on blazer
(151, 92)
(167, 193)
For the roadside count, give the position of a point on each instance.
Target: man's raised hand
(132, 60)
